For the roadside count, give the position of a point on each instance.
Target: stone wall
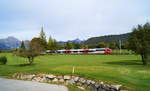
(66, 79)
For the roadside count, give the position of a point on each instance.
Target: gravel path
(17, 85)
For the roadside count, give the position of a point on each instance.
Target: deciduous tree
(83, 46)
(101, 45)
(68, 45)
(112, 45)
(139, 41)
(52, 44)
(34, 50)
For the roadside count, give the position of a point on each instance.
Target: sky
(71, 19)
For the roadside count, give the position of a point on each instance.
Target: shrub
(3, 60)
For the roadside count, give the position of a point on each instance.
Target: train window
(58, 52)
(89, 51)
(100, 49)
(81, 51)
(108, 50)
(67, 51)
(75, 51)
(86, 51)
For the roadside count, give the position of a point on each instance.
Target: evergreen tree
(22, 46)
(52, 44)
(68, 45)
(43, 38)
(42, 34)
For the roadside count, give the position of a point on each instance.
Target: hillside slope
(108, 38)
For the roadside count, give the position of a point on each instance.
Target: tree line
(138, 41)
(53, 45)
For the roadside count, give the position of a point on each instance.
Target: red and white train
(86, 51)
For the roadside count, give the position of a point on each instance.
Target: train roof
(82, 49)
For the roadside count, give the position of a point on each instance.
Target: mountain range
(12, 42)
(73, 41)
(9, 43)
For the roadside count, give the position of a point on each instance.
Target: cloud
(70, 19)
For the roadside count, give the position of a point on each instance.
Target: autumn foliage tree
(37, 44)
(35, 49)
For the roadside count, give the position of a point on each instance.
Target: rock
(112, 89)
(30, 77)
(50, 76)
(88, 82)
(55, 80)
(101, 82)
(76, 79)
(23, 76)
(43, 79)
(71, 81)
(116, 87)
(79, 83)
(73, 77)
(40, 75)
(37, 79)
(18, 77)
(48, 80)
(97, 85)
(67, 77)
(103, 86)
(92, 86)
(60, 77)
(107, 87)
(82, 80)
(85, 85)
(61, 80)
(14, 75)
(100, 89)
(92, 82)
(81, 87)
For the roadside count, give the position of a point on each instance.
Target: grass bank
(120, 69)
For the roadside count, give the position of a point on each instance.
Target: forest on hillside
(108, 39)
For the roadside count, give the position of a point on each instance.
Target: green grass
(74, 88)
(123, 51)
(120, 69)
